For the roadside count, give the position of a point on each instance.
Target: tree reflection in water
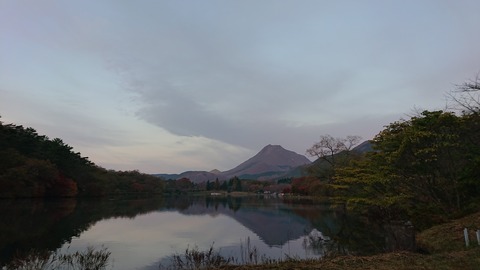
(46, 225)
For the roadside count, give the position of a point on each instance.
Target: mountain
(194, 176)
(364, 147)
(215, 171)
(271, 162)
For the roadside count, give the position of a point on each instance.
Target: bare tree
(328, 147)
(466, 97)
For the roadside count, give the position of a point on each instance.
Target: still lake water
(144, 233)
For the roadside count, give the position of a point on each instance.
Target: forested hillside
(425, 168)
(32, 165)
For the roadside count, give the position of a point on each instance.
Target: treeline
(234, 184)
(32, 165)
(424, 169)
(185, 185)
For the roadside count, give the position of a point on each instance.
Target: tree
(328, 147)
(216, 185)
(208, 186)
(369, 183)
(428, 154)
(234, 184)
(184, 184)
(330, 151)
(224, 185)
(466, 97)
(30, 178)
(62, 187)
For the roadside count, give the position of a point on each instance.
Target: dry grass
(399, 260)
(449, 236)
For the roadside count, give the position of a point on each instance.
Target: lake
(144, 233)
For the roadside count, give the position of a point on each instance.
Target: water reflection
(141, 233)
(49, 224)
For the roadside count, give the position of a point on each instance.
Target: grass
(193, 258)
(449, 236)
(397, 260)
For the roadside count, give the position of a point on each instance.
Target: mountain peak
(272, 148)
(272, 158)
(215, 171)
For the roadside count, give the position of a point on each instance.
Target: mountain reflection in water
(141, 233)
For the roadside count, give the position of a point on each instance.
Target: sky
(168, 86)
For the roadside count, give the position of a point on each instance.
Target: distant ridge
(194, 176)
(272, 162)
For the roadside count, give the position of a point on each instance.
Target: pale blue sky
(168, 86)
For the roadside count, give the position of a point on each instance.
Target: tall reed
(90, 259)
(195, 259)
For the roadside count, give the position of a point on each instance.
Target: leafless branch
(466, 97)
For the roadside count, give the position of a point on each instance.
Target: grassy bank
(443, 247)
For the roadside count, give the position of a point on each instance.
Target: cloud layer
(227, 75)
